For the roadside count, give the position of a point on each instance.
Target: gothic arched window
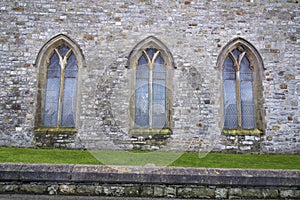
(61, 87)
(242, 87)
(150, 91)
(238, 91)
(152, 66)
(59, 62)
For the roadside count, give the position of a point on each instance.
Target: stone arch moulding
(41, 63)
(150, 42)
(255, 56)
(257, 66)
(56, 40)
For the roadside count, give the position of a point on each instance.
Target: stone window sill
(164, 132)
(63, 130)
(242, 132)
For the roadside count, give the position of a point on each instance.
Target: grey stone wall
(193, 31)
(170, 182)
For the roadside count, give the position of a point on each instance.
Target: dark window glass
(52, 92)
(69, 95)
(142, 93)
(150, 91)
(61, 85)
(238, 103)
(230, 99)
(159, 94)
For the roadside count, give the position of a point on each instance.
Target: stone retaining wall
(148, 181)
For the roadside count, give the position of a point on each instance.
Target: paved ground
(59, 197)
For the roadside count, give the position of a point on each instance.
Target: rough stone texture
(194, 32)
(163, 182)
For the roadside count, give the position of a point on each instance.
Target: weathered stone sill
(253, 132)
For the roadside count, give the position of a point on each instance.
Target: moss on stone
(69, 130)
(242, 132)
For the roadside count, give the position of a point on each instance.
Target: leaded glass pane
(151, 52)
(236, 54)
(245, 71)
(52, 92)
(247, 99)
(63, 50)
(159, 94)
(230, 100)
(230, 104)
(69, 93)
(228, 70)
(142, 94)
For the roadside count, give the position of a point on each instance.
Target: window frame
(257, 68)
(42, 62)
(136, 53)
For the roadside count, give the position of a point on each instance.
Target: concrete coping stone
(147, 175)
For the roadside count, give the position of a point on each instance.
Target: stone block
(158, 191)
(289, 193)
(33, 188)
(184, 192)
(202, 192)
(221, 193)
(85, 189)
(170, 192)
(270, 193)
(67, 189)
(9, 188)
(147, 191)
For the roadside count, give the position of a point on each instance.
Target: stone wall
(195, 33)
(170, 182)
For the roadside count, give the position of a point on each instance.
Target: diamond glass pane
(245, 71)
(50, 116)
(69, 93)
(142, 94)
(159, 94)
(247, 98)
(230, 100)
(230, 104)
(247, 105)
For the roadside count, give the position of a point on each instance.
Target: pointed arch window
(150, 106)
(242, 70)
(61, 88)
(150, 91)
(238, 91)
(59, 62)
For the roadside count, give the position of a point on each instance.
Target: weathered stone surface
(67, 189)
(221, 193)
(174, 182)
(137, 174)
(33, 188)
(195, 32)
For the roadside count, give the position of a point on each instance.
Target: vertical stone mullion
(238, 96)
(150, 93)
(61, 90)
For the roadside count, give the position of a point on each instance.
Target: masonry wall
(194, 32)
(148, 181)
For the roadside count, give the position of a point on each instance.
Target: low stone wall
(148, 181)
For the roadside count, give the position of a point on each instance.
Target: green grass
(218, 160)
(211, 160)
(28, 155)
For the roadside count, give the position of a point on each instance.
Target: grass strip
(52, 156)
(255, 161)
(187, 159)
